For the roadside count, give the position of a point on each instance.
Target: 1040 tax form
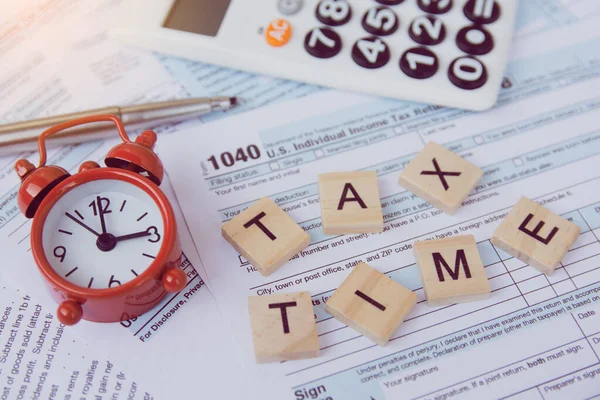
(536, 337)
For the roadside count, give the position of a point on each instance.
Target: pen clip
(75, 122)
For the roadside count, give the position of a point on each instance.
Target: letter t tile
(283, 327)
(265, 235)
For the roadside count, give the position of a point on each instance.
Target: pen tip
(234, 101)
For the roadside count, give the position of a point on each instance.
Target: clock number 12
(228, 160)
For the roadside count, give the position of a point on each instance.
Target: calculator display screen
(203, 17)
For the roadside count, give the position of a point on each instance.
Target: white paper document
(536, 337)
(41, 359)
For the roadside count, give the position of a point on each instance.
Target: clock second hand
(82, 224)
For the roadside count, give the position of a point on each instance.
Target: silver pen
(22, 136)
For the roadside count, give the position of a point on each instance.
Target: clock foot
(174, 280)
(69, 312)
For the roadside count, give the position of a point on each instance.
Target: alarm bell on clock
(104, 239)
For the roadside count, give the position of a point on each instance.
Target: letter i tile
(265, 235)
(350, 203)
(535, 235)
(371, 303)
(451, 270)
(283, 327)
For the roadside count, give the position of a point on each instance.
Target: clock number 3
(60, 252)
(153, 231)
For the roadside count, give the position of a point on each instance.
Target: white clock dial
(103, 234)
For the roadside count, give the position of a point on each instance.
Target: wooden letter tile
(283, 327)
(350, 203)
(451, 270)
(265, 235)
(371, 303)
(441, 177)
(535, 235)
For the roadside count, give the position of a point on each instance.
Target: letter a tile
(283, 327)
(371, 303)
(535, 235)
(265, 235)
(451, 270)
(441, 177)
(350, 203)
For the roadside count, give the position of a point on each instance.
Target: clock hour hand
(134, 235)
(82, 224)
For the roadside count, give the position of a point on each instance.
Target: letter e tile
(350, 203)
(451, 270)
(535, 235)
(265, 235)
(283, 327)
(441, 177)
(371, 303)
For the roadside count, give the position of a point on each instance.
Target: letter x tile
(535, 235)
(371, 303)
(451, 270)
(350, 203)
(441, 177)
(265, 235)
(283, 327)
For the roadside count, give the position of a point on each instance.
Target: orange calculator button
(278, 32)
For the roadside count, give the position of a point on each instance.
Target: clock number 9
(60, 252)
(228, 160)
(113, 281)
(153, 230)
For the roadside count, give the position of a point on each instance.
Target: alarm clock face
(102, 233)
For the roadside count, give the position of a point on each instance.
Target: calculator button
(333, 12)
(289, 7)
(370, 52)
(278, 32)
(474, 40)
(427, 30)
(467, 73)
(322, 43)
(389, 2)
(435, 6)
(419, 63)
(482, 11)
(380, 21)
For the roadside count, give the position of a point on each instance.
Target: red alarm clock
(105, 239)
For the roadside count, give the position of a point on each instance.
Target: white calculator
(446, 52)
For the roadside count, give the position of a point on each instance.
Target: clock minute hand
(82, 224)
(133, 235)
(102, 222)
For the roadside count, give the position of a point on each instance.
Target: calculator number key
(467, 73)
(322, 43)
(371, 52)
(380, 21)
(482, 11)
(435, 6)
(419, 63)
(427, 30)
(333, 12)
(474, 40)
